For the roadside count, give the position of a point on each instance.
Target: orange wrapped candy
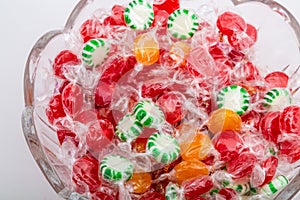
(146, 49)
(190, 169)
(179, 51)
(139, 183)
(224, 120)
(197, 149)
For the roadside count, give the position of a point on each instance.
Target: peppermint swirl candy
(163, 148)
(277, 99)
(116, 168)
(242, 188)
(234, 98)
(149, 114)
(128, 128)
(275, 186)
(139, 15)
(182, 23)
(94, 52)
(172, 192)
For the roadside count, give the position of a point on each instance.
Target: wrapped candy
(277, 79)
(196, 187)
(139, 183)
(64, 58)
(146, 49)
(149, 114)
(172, 192)
(189, 169)
(164, 148)
(229, 23)
(229, 145)
(274, 186)
(129, 128)
(55, 110)
(95, 52)
(85, 174)
(139, 15)
(224, 120)
(242, 165)
(234, 98)
(277, 99)
(116, 168)
(182, 24)
(191, 189)
(289, 120)
(197, 148)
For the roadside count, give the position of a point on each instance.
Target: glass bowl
(277, 49)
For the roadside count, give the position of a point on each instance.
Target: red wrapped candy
(270, 166)
(55, 109)
(194, 188)
(290, 120)
(167, 5)
(61, 61)
(228, 144)
(289, 147)
(277, 80)
(269, 126)
(229, 23)
(252, 119)
(99, 135)
(117, 68)
(228, 194)
(91, 29)
(171, 104)
(62, 134)
(72, 99)
(242, 165)
(117, 17)
(85, 174)
(243, 40)
(104, 94)
(152, 196)
(102, 196)
(250, 72)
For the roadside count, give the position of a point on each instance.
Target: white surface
(22, 22)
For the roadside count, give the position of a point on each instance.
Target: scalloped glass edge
(27, 120)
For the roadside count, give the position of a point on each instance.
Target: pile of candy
(163, 104)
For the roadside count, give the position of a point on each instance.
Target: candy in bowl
(167, 99)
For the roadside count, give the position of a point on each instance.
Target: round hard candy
(116, 168)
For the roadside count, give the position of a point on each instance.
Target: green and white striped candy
(172, 192)
(163, 148)
(116, 168)
(94, 52)
(277, 99)
(242, 188)
(275, 186)
(128, 128)
(234, 98)
(149, 114)
(182, 23)
(139, 15)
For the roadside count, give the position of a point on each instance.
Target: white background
(22, 22)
